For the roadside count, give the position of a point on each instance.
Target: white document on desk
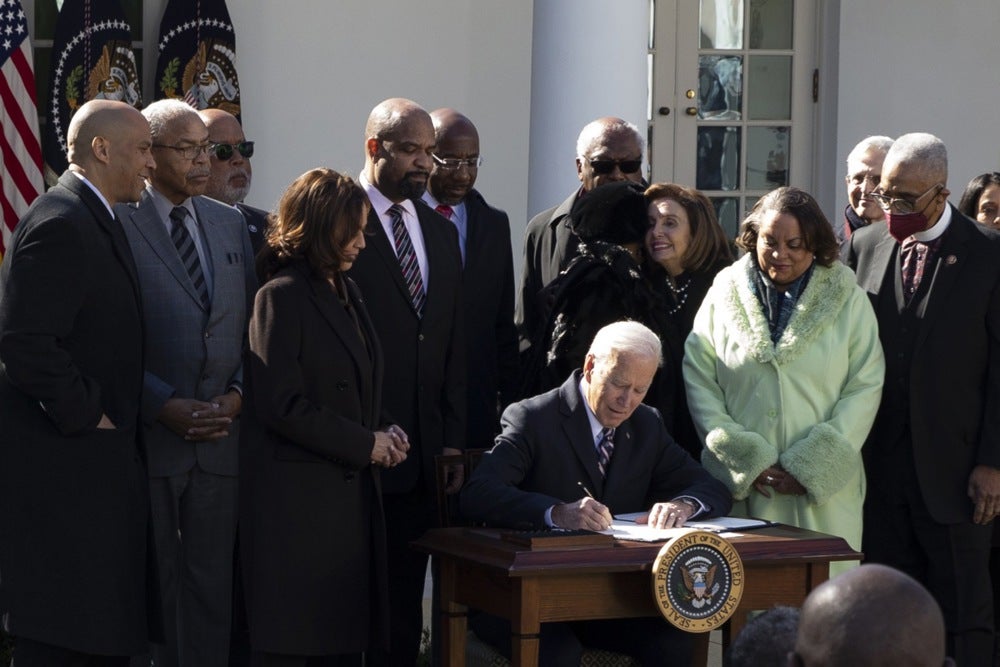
(624, 527)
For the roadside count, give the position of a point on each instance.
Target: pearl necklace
(680, 294)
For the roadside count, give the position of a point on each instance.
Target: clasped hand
(780, 480)
(391, 445)
(201, 420)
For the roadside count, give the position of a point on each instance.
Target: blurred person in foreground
(871, 616)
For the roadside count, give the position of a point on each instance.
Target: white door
(732, 99)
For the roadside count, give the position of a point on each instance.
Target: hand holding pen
(585, 513)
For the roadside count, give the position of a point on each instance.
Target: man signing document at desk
(573, 457)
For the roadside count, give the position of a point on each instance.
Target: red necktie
(444, 210)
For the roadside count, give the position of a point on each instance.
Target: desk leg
(699, 658)
(453, 617)
(524, 623)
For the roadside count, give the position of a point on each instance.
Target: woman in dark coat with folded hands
(312, 531)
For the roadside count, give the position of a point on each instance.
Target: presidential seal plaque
(697, 580)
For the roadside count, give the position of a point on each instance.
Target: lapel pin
(950, 259)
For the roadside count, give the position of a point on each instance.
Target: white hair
(876, 142)
(925, 151)
(162, 112)
(627, 337)
(595, 132)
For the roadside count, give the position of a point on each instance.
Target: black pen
(586, 490)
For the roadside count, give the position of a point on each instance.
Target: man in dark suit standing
(487, 274)
(229, 181)
(607, 150)
(74, 505)
(411, 277)
(193, 259)
(573, 457)
(933, 455)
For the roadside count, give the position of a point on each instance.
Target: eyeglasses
(902, 205)
(225, 151)
(188, 152)
(454, 164)
(605, 167)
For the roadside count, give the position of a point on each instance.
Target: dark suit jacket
(954, 388)
(311, 527)
(549, 245)
(74, 505)
(491, 339)
(256, 220)
(190, 353)
(547, 448)
(424, 390)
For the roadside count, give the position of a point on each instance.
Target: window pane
(721, 24)
(767, 157)
(771, 24)
(720, 87)
(770, 88)
(718, 158)
(727, 210)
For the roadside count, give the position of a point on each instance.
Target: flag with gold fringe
(92, 59)
(197, 61)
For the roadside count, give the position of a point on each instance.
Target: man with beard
(231, 174)
(487, 274)
(411, 276)
(864, 170)
(196, 278)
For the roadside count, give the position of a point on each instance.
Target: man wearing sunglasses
(229, 180)
(607, 150)
(933, 456)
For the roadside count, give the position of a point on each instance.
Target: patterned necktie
(605, 448)
(916, 256)
(407, 260)
(444, 210)
(189, 254)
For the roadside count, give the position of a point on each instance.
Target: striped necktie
(189, 254)
(407, 260)
(605, 448)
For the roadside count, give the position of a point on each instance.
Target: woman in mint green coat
(784, 372)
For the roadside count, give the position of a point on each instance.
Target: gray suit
(192, 353)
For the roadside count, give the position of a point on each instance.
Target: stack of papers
(624, 527)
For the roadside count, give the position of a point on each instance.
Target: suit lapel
(623, 453)
(576, 427)
(951, 257)
(149, 225)
(473, 233)
(882, 259)
(110, 224)
(215, 244)
(333, 312)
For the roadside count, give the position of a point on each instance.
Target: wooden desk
(477, 569)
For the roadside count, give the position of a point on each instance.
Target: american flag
(20, 150)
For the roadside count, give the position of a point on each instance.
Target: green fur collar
(819, 305)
